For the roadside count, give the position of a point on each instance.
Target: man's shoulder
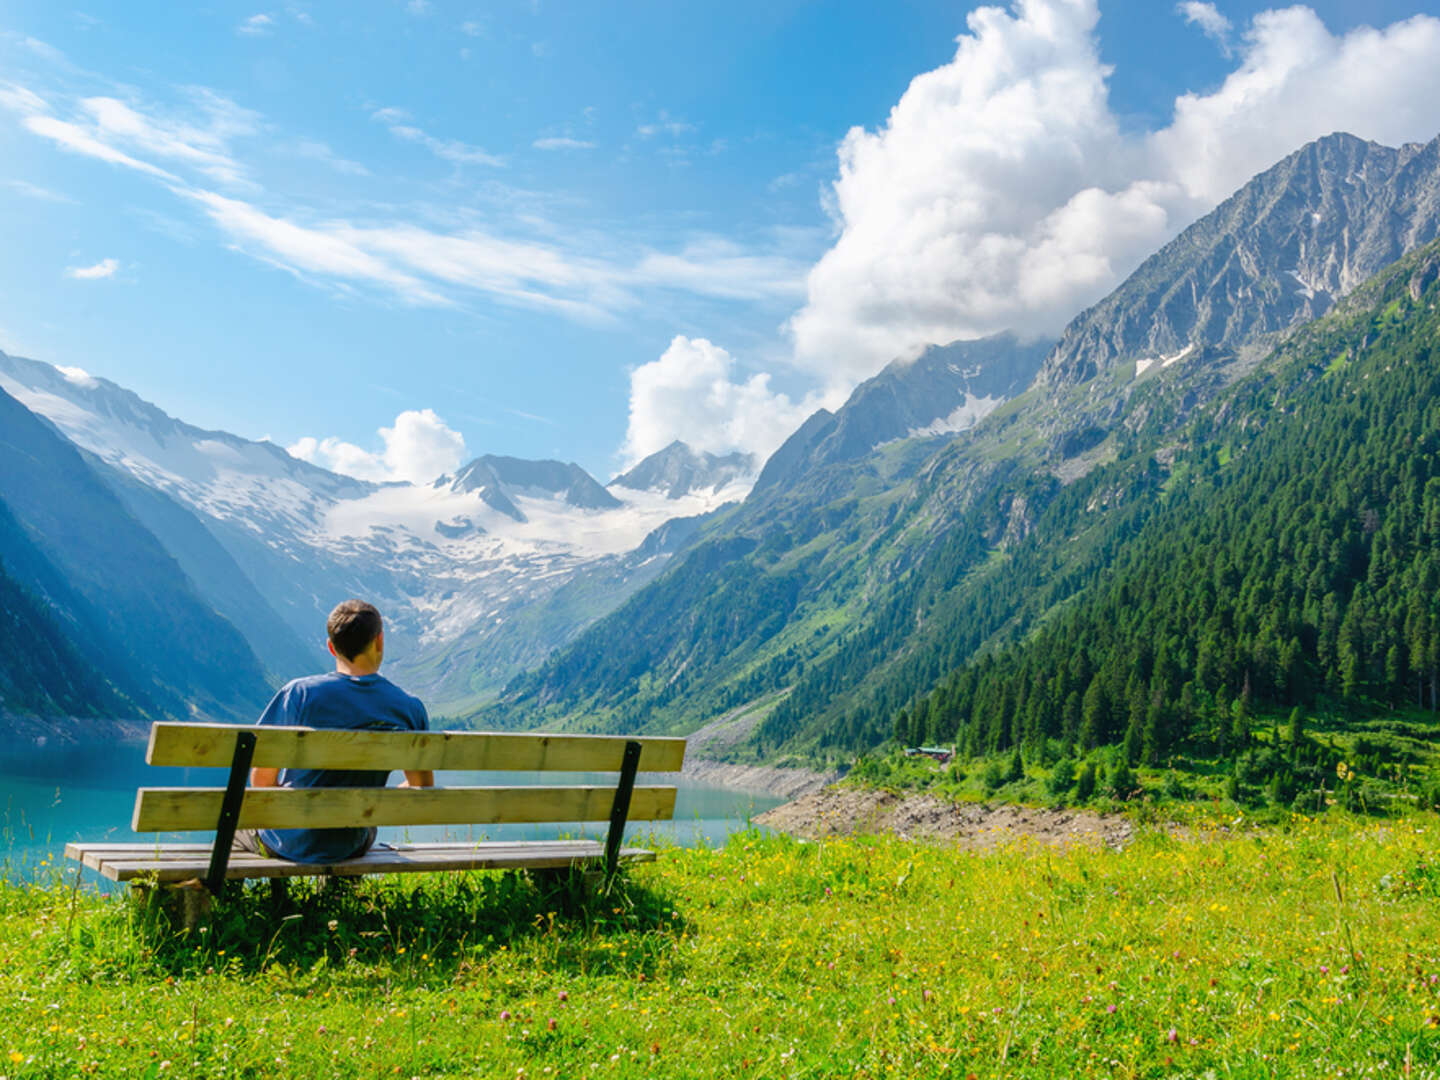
(307, 682)
(416, 705)
(396, 689)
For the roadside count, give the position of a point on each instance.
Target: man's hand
(264, 777)
(423, 778)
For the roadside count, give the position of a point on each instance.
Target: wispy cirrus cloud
(316, 250)
(120, 133)
(452, 150)
(1208, 18)
(518, 259)
(562, 142)
(35, 191)
(315, 150)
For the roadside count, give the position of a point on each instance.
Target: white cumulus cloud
(691, 393)
(420, 447)
(1003, 193)
(103, 269)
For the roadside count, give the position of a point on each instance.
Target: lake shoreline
(36, 732)
(768, 779)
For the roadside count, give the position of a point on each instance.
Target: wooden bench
(237, 806)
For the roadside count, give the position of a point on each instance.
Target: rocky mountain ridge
(1276, 254)
(947, 389)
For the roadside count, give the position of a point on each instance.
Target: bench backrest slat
(186, 809)
(311, 748)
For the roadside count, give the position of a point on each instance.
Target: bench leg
(184, 907)
(195, 906)
(279, 894)
(145, 896)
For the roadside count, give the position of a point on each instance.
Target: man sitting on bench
(353, 696)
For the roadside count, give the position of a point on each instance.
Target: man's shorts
(249, 840)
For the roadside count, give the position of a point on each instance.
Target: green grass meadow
(1213, 949)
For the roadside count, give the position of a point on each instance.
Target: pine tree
(1134, 741)
(1297, 731)
(1016, 770)
(1122, 781)
(1085, 782)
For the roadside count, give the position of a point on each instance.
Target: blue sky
(576, 230)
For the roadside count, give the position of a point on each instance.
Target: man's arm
(278, 712)
(423, 777)
(271, 778)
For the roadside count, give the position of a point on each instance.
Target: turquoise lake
(50, 795)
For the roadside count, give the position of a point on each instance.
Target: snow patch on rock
(964, 416)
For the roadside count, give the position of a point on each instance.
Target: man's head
(357, 634)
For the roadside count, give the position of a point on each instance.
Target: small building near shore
(942, 754)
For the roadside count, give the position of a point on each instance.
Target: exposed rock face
(1423, 277)
(846, 811)
(1277, 253)
(947, 389)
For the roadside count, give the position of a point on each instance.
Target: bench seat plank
(187, 809)
(312, 748)
(170, 863)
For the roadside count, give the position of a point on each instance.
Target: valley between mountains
(1212, 494)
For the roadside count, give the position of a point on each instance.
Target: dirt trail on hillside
(846, 811)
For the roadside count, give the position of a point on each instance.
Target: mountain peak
(1276, 254)
(679, 469)
(498, 479)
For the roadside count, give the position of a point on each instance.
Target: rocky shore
(847, 811)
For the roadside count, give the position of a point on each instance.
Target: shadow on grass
(419, 927)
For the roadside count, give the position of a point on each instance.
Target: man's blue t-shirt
(335, 700)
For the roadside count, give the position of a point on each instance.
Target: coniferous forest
(1290, 555)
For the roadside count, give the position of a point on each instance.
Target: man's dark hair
(352, 626)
